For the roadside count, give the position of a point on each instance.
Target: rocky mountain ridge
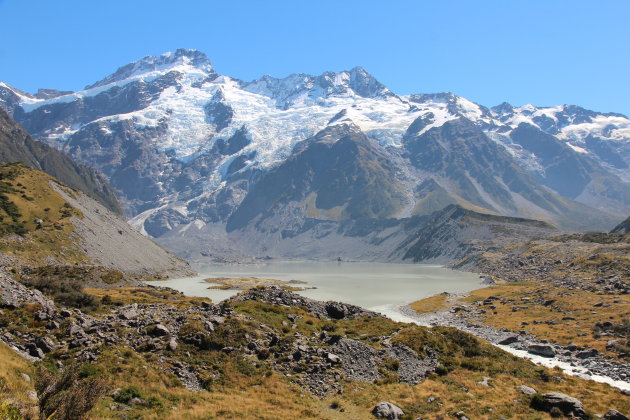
(186, 147)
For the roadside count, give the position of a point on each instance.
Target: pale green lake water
(376, 286)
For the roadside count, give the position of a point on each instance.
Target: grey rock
(65, 313)
(129, 313)
(75, 330)
(216, 319)
(172, 344)
(544, 350)
(614, 415)
(509, 340)
(35, 351)
(587, 354)
(568, 405)
(526, 390)
(484, 381)
(387, 410)
(159, 330)
(138, 401)
(461, 415)
(46, 344)
(333, 358)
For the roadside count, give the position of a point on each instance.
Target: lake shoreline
(366, 284)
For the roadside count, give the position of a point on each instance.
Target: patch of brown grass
(565, 304)
(36, 200)
(127, 295)
(431, 304)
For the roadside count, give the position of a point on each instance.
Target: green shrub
(127, 394)
(155, 402)
(88, 370)
(441, 370)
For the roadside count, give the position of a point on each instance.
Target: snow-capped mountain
(187, 148)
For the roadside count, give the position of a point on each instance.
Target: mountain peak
(299, 87)
(179, 57)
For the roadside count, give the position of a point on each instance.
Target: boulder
(333, 358)
(172, 344)
(586, 354)
(387, 410)
(336, 310)
(46, 344)
(544, 350)
(35, 351)
(527, 390)
(75, 330)
(509, 340)
(614, 415)
(568, 405)
(128, 314)
(159, 330)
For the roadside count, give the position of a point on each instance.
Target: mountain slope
(338, 174)
(185, 147)
(455, 233)
(623, 227)
(44, 222)
(16, 145)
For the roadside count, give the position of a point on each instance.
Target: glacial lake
(379, 287)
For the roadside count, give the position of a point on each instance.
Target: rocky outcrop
(277, 296)
(14, 294)
(318, 363)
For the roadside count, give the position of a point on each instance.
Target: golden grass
(255, 397)
(36, 199)
(13, 384)
(460, 391)
(258, 396)
(577, 304)
(245, 283)
(143, 295)
(431, 304)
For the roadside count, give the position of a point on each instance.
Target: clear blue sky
(545, 52)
